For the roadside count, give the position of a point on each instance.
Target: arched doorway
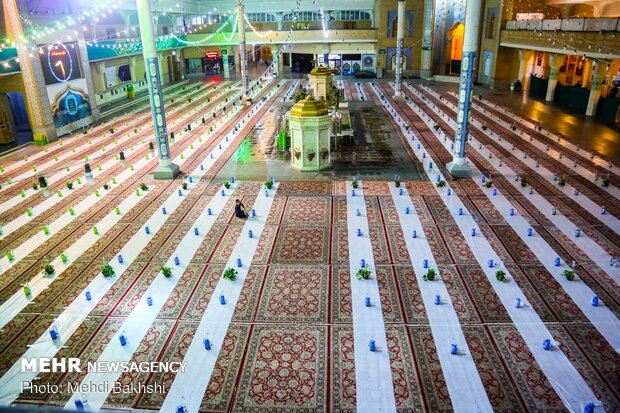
(403, 66)
(455, 47)
(405, 27)
(171, 69)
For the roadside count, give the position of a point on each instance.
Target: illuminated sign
(211, 55)
(71, 104)
(60, 63)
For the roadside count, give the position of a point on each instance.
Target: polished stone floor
(377, 153)
(603, 138)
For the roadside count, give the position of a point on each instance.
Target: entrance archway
(455, 47)
(403, 66)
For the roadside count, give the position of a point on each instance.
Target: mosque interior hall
(224, 206)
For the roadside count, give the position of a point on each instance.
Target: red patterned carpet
(290, 344)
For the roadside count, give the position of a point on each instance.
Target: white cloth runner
(59, 143)
(90, 148)
(18, 301)
(562, 375)
(600, 316)
(583, 200)
(596, 160)
(138, 322)
(373, 373)
(70, 319)
(32, 243)
(360, 90)
(189, 387)
(464, 384)
(346, 95)
(592, 249)
(76, 312)
(532, 140)
(290, 90)
(59, 223)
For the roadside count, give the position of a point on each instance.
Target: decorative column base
(166, 171)
(595, 91)
(398, 97)
(44, 135)
(459, 168)
(592, 105)
(551, 90)
(95, 114)
(425, 74)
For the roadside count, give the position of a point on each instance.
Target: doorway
(18, 110)
(14, 123)
(170, 70)
(455, 47)
(302, 62)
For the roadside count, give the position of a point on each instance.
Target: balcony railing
(276, 37)
(583, 24)
(592, 44)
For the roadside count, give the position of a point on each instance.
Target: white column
(161, 61)
(275, 65)
(178, 57)
(325, 19)
(279, 20)
(587, 73)
(244, 57)
(427, 40)
(598, 71)
(101, 74)
(528, 67)
(133, 61)
(236, 60)
(458, 167)
(166, 169)
(522, 66)
(225, 63)
(400, 34)
(555, 61)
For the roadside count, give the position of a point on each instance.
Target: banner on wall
(368, 62)
(116, 75)
(70, 106)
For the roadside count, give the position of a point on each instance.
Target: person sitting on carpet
(240, 210)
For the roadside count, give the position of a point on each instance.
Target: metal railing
(582, 24)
